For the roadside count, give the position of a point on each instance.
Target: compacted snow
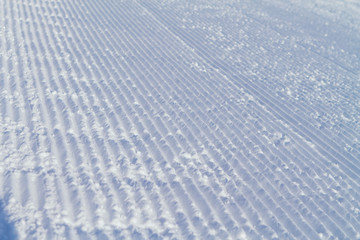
(182, 119)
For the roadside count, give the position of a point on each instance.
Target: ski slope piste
(179, 119)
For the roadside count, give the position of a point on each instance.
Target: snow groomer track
(154, 119)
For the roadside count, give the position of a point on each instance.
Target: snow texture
(181, 119)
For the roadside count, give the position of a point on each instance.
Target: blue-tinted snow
(154, 119)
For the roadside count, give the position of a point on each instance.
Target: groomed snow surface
(181, 119)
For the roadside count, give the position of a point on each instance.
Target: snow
(153, 119)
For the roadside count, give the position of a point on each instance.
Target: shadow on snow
(7, 229)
